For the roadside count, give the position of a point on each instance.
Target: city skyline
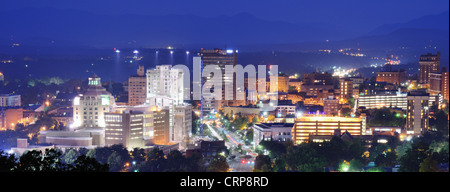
(261, 90)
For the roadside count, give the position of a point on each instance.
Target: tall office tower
(90, 106)
(166, 81)
(221, 58)
(428, 63)
(417, 113)
(444, 84)
(137, 88)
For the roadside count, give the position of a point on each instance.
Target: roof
(274, 125)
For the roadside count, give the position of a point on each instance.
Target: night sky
(356, 15)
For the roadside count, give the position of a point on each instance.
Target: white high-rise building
(166, 81)
(165, 90)
(90, 106)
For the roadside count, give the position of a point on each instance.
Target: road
(241, 164)
(238, 164)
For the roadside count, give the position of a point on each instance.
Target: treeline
(421, 154)
(115, 158)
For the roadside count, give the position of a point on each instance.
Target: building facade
(90, 106)
(137, 88)
(417, 121)
(331, 106)
(271, 132)
(324, 125)
(9, 100)
(125, 128)
(388, 100)
(428, 63)
(165, 81)
(220, 58)
(392, 77)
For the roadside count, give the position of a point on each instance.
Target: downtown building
(88, 127)
(314, 126)
(388, 99)
(417, 121)
(392, 77)
(271, 132)
(90, 106)
(137, 88)
(7, 100)
(137, 126)
(428, 64)
(221, 59)
(165, 90)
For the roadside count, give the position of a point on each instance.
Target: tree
(429, 165)
(260, 161)
(70, 156)
(88, 164)
(410, 162)
(279, 165)
(7, 162)
(440, 123)
(248, 138)
(304, 158)
(115, 161)
(175, 161)
(345, 112)
(218, 164)
(138, 155)
(386, 160)
(195, 162)
(155, 161)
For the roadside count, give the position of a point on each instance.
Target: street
(241, 163)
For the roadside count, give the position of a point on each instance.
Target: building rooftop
(274, 125)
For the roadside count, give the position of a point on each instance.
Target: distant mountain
(84, 28)
(438, 21)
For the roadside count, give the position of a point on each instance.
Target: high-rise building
(428, 63)
(90, 106)
(220, 58)
(417, 121)
(165, 81)
(137, 88)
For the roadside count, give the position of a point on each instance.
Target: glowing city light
(135, 51)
